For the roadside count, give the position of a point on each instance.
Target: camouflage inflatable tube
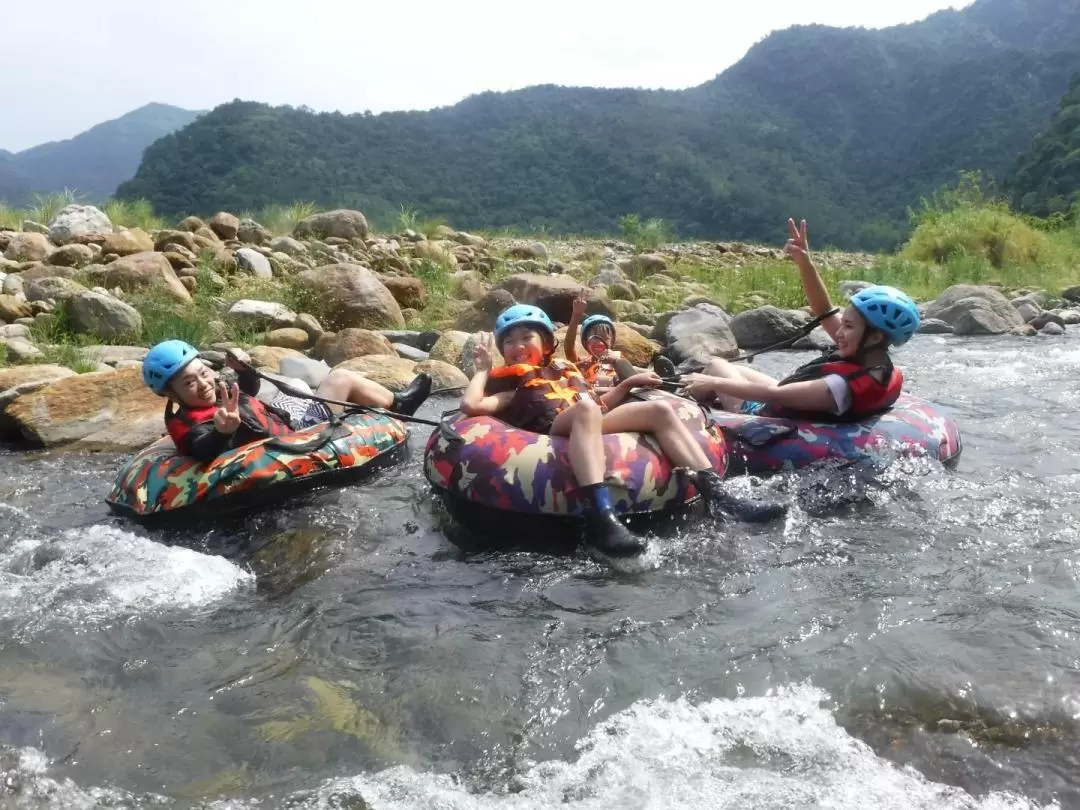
(762, 445)
(157, 483)
(485, 461)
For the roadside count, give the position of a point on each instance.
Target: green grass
(133, 214)
(281, 219)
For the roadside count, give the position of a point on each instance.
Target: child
(855, 381)
(536, 392)
(205, 417)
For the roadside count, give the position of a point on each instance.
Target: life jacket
(541, 393)
(868, 395)
(600, 373)
(258, 421)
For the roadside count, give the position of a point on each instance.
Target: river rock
(251, 261)
(1027, 307)
(73, 255)
(142, 270)
(102, 316)
(164, 241)
(74, 221)
(471, 240)
(28, 247)
(973, 310)
(1044, 318)
(52, 287)
(418, 340)
(112, 355)
(29, 226)
(270, 357)
(251, 232)
(289, 337)
(1023, 330)
(534, 250)
(19, 330)
(639, 267)
(554, 294)
(1052, 329)
(410, 352)
(289, 246)
(390, 371)
(480, 317)
(436, 252)
(632, 345)
(1070, 317)
(249, 313)
(224, 225)
(127, 242)
(443, 375)
(700, 333)
(310, 324)
(408, 291)
(20, 350)
(13, 376)
(353, 296)
(342, 223)
(934, 326)
(449, 346)
(349, 343)
(765, 326)
(12, 308)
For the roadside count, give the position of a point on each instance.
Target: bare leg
(582, 424)
(344, 385)
(659, 419)
(718, 367)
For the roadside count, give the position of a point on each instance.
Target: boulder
(408, 291)
(409, 352)
(639, 267)
(554, 294)
(251, 232)
(16, 330)
(127, 242)
(311, 372)
(418, 340)
(1071, 294)
(102, 316)
(249, 313)
(1027, 307)
(52, 287)
(699, 334)
(1044, 318)
(249, 260)
(449, 346)
(534, 250)
(973, 310)
(12, 308)
(350, 343)
(1052, 329)
(635, 348)
(1070, 317)
(101, 410)
(142, 270)
(310, 324)
(436, 252)
(190, 224)
(270, 357)
(29, 226)
(933, 326)
(16, 376)
(390, 371)
(765, 326)
(353, 296)
(289, 337)
(471, 240)
(224, 225)
(21, 350)
(28, 247)
(111, 355)
(73, 255)
(289, 246)
(74, 221)
(443, 375)
(1024, 330)
(480, 317)
(12, 284)
(342, 223)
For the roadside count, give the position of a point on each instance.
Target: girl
(855, 381)
(205, 417)
(538, 393)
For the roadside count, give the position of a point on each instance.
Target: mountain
(92, 163)
(845, 126)
(1046, 179)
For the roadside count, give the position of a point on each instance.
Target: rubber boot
(718, 501)
(663, 366)
(606, 533)
(407, 401)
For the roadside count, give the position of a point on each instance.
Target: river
(916, 646)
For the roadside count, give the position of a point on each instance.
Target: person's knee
(717, 367)
(587, 411)
(662, 411)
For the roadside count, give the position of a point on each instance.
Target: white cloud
(88, 62)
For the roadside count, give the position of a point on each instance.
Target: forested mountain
(845, 126)
(1047, 178)
(92, 163)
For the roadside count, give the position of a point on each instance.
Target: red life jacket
(255, 417)
(868, 395)
(541, 393)
(600, 373)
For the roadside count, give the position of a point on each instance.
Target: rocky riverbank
(80, 300)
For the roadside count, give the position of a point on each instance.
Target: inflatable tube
(762, 445)
(485, 462)
(157, 483)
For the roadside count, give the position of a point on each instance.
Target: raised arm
(798, 248)
(475, 402)
(578, 312)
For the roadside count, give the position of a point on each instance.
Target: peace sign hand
(227, 415)
(482, 353)
(798, 245)
(579, 304)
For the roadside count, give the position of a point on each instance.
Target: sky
(90, 62)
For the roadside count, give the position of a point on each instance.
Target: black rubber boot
(719, 502)
(606, 533)
(663, 366)
(408, 400)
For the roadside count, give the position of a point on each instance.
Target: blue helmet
(165, 361)
(522, 315)
(596, 320)
(889, 310)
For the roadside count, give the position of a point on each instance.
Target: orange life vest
(541, 393)
(600, 373)
(256, 420)
(869, 396)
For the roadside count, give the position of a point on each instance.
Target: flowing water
(912, 643)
